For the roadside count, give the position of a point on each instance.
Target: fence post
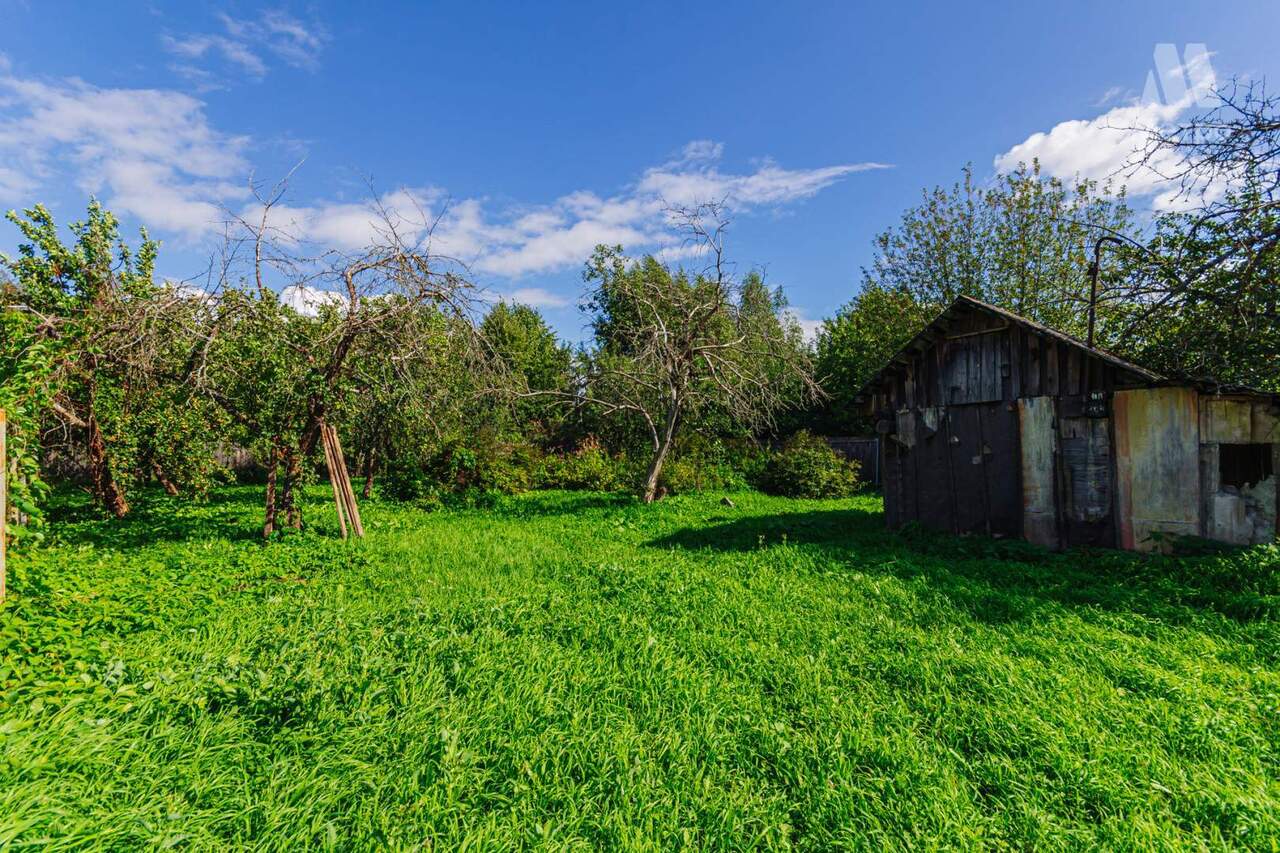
(4, 503)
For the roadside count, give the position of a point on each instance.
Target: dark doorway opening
(1243, 465)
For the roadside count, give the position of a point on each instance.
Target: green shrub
(459, 472)
(484, 467)
(705, 463)
(590, 468)
(807, 467)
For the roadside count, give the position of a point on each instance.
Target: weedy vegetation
(583, 671)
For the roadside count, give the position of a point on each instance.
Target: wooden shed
(995, 424)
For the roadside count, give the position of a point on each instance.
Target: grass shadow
(154, 517)
(552, 503)
(1012, 580)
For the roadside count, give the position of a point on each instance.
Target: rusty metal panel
(1265, 424)
(1157, 436)
(1036, 434)
(1225, 421)
(1086, 453)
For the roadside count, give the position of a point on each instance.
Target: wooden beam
(977, 332)
(338, 501)
(349, 495)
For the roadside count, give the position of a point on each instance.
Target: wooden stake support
(344, 497)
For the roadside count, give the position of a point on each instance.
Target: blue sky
(540, 129)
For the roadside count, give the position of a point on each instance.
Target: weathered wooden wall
(864, 451)
(994, 424)
(967, 449)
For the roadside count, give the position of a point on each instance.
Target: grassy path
(577, 671)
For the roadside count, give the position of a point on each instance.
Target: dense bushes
(463, 471)
(712, 464)
(590, 467)
(807, 467)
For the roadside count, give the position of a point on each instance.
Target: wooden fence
(864, 451)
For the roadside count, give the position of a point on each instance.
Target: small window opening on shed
(1243, 465)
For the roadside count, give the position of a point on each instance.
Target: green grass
(576, 671)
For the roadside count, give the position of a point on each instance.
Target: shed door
(1157, 465)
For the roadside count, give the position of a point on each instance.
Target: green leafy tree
(535, 359)
(863, 335)
(28, 360)
(1205, 296)
(1204, 292)
(673, 345)
(90, 353)
(415, 386)
(281, 374)
(1023, 243)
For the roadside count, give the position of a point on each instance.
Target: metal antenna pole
(1094, 268)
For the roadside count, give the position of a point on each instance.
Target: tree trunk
(368, 474)
(105, 488)
(170, 488)
(273, 470)
(660, 455)
(292, 482)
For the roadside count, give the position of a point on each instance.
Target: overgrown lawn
(579, 671)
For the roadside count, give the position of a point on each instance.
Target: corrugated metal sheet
(1157, 464)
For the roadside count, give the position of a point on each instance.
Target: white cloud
(292, 40)
(695, 177)
(532, 239)
(308, 300)
(153, 154)
(244, 43)
(1101, 149)
(1115, 94)
(537, 297)
(235, 52)
(1110, 147)
(149, 152)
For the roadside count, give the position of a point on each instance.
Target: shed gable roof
(937, 328)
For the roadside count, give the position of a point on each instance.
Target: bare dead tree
(1217, 259)
(370, 294)
(1237, 137)
(673, 342)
